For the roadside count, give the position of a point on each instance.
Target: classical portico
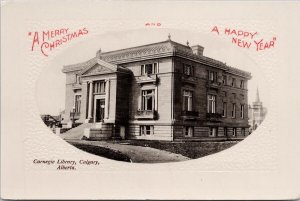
(98, 101)
(97, 84)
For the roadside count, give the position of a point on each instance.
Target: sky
(50, 87)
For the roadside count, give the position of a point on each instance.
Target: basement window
(188, 131)
(213, 132)
(233, 132)
(146, 130)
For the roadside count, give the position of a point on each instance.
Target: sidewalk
(137, 154)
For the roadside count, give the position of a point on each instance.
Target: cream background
(265, 165)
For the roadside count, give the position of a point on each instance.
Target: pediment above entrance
(98, 69)
(101, 67)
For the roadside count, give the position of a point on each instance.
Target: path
(137, 154)
(75, 133)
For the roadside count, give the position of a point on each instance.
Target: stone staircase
(92, 131)
(100, 131)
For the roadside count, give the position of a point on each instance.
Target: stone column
(90, 100)
(107, 87)
(84, 99)
(156, 98)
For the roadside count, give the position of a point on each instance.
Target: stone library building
(159, 91)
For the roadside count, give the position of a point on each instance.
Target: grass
(102, 151)
(189, 149)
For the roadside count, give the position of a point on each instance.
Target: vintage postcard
(149, 100)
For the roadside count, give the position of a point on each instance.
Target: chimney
(98, 53)
(198, 50)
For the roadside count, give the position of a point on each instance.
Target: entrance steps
(92, 131)
(99, 131)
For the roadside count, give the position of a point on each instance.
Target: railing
(213, 84)
(190, 113)
(213, 116)
(146, 114)
(74, 115)
(76, 85)
(147, 79)
(188, 79)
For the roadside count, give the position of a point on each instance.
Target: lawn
(102, 151)
(189, 149)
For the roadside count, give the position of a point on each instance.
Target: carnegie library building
(160, 91)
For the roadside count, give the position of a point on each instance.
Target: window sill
(146, 114)
(102, 93)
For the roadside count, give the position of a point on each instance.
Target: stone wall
(160, 132)
(70, 93)
(122, 98)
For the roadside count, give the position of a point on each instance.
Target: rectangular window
(78, 79)
(234, 132)
(213, 132)
(187, 100)
(148, 69)
(242, 111)
(77, 103)
(148, 99)
(225, 131)
(188, 131)
(234, 95)
(224, 109)
(243, 131)
(233, 82)
(146, 130)
(212, 76)
(242, 84)
(211, 106)
(187, 69)
(99, 87)
(224, 80)
(233, 110)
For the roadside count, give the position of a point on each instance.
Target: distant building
(51, 121)
(160, 91)
(256, 112)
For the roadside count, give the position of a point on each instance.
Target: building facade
(256, 112)
(161, 91)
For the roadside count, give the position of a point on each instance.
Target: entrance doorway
(100, 110)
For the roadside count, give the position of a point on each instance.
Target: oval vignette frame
(185, 147)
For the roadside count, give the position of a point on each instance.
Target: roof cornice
(153, 51)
